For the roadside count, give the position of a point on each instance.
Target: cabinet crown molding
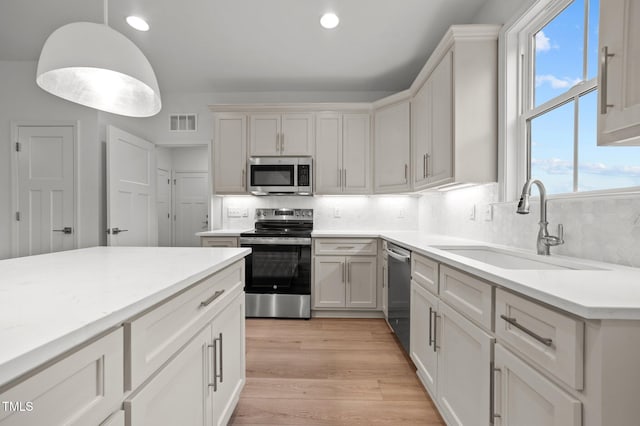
(293, 107)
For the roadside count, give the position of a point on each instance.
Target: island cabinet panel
(158, 334)
(83, 388)
(219, 241)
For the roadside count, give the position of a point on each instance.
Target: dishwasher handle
(398, 256)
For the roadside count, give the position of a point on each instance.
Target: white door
(190, 207)
(131, 190)
(330, 280)
(439, 161)
(422, 348)
(164, 207)
(392, 148)
(356, 160)
(297, 134)
(230, 153)
(361, 282)
(329, 153)
(264, 134)
(45, 189)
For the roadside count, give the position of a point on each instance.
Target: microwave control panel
(303, 175)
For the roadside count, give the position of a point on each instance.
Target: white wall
(499, 11)
(22, 100)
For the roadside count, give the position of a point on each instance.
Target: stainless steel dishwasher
(399, 279)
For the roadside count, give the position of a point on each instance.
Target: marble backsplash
(603, 228)
(375, 212)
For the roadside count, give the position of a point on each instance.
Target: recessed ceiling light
(137, 23)
(329, 21)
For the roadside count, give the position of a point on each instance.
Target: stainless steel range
(278, 271)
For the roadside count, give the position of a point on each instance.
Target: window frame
(515, 102)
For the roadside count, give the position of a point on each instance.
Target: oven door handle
(257, 241)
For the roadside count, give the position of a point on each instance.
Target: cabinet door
(356, 155)
(180, 393)
(422, 350)
(264, 134)
(297, 134)
(525, 397)
(439, 159)
(219, 241)
(328, 164)
(230, 153)
(392, 148)
(361, 282)
(421, 134)
(330, 280)
(464, 362)
(619, 76)
(228, 333)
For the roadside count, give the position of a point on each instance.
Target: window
(557, 51)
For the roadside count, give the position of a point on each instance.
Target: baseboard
(346, 314)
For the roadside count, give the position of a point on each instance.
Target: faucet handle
(560, 234)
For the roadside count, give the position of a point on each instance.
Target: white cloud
(555, 82)
(556, 166)
(543, 43)
(553, 166)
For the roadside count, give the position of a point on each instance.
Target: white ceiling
(256, 45)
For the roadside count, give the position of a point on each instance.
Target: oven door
(278, 265)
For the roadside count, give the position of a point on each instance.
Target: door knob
(65, 230)
(115, 231)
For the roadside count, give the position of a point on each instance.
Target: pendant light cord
(105, 4)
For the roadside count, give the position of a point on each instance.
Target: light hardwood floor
(329, 372)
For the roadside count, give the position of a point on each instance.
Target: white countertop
(608, 291)
(223, 232)
(51, 303)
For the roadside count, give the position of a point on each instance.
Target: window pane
(602, 167)
(592, 54)
(551, 147)
(559, 53)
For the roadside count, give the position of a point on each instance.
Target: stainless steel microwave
(280, 175)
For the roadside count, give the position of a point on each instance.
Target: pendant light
(96, 66)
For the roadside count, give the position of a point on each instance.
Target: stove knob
(275, 287)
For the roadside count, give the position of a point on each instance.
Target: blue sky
(558, 67)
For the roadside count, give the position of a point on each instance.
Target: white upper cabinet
(432, 125)
(230, 153)
(281, 134)
(619, 73)
(342, 154)
(454, 111)
(392, 146)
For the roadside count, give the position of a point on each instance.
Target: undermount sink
(513, 260)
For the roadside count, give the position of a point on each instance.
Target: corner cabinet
(392, 147)
(454, 111)
(272, 134)
(619, 73)
(345, 273)
(342, 154)
(229, 153)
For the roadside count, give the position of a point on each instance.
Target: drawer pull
(345, 248)
(211, 299)
(544, 340)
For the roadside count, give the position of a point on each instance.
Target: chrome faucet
(544, 239)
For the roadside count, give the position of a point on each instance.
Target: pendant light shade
(96, 66)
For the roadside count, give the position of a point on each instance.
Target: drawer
(159, 333)
(424, 271)
(83, 388)
(552, 340)
(219, 241)
(468, 295)
(346, 246)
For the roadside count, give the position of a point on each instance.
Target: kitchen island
(135, 313)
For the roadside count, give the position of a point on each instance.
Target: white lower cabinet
(464, 360)
(345, 282)
(423, 352)
(201, 384)
(525, 397)
(84, 388)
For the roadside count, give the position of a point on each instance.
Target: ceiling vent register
(183, 122)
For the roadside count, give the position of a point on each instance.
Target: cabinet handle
(427, 157)
(544, 340)
(494, 414)
(220, 352)
(430, 333)
(604, 68)
(406, 171)
(435, 331)
(343, 268)
(211, 299)
(339, 178)
(348, 266)
(244, 179)
(277, 142)
(214, 385)
(344, 248)
(345, 177)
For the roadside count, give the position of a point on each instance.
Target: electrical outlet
(488, 213)
(472, 212)
(234, 212)
(336, 212)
